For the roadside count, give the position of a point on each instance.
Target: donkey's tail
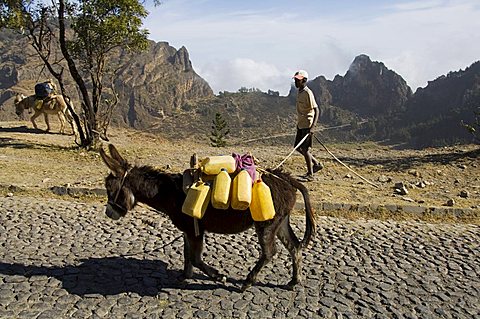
(309, 214)
(310, 226)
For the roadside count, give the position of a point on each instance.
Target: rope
(293, 134)
(328, 151)
(351, 170)
(297, 146)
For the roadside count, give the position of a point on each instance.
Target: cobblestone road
(66, 259)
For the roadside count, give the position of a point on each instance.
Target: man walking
(307, 117)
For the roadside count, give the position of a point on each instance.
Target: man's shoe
(317, 167)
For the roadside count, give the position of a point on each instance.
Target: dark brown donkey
(127, 185)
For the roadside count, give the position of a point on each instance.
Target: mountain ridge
(160, 91)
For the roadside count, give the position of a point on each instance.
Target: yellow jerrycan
(261, 206)
(197, 200)
(241, 191)
(221, 190)
(213, 165)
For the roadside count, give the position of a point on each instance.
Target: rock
(450, 202)
(421, 184)
(13, 188)
(408, 199)
(414, 172)
(439, 172)
(463, 194)
(400, 189)
(348, 176)
(462, 166)
(59, 190)
(399, 185)
(9, 194)
(384, 179)
(46, 180)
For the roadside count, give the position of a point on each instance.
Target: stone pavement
(67, 259)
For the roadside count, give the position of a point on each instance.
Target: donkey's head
(120, 196)
(19, 105)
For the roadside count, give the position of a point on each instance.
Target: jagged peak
(182, 57)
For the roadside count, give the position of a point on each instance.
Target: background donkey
(127, 185)
(53, 105)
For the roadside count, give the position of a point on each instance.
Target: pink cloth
(246, 162)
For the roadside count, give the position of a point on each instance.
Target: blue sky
(261, 43)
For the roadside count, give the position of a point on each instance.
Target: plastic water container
(213, 165)
(241, 191)
(221, 190)
(197, 200)
(261, 206)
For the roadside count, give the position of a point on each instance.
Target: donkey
(127, 185)
(53, 105)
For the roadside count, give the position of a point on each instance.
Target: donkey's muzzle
(112, 213)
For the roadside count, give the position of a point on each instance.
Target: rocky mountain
(160, 91)
(151, 85)
(433, 115)
(156, 84)
(368, 89)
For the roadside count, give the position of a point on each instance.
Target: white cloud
(230, 75)
(420, 40)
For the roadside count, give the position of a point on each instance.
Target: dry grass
(33, 162)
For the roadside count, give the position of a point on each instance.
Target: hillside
(150, 85)
(160, 91)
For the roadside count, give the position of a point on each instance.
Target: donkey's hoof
(245, 286)
(291, 284)
(182, 278)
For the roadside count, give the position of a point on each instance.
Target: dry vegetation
(32, 162)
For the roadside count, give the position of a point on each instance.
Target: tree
(474, 127)
(88, 34)
(219, 132)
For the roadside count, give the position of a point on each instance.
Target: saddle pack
(227, 181)
(43, 90)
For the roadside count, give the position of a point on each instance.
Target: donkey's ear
(112, 164)
(116, 156)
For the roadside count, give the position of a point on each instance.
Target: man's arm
(315, 118)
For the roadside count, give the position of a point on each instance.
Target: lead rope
(351, 170)
(297, 146)
(328, 151)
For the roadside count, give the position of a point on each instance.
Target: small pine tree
(474, 128)
(219, 132)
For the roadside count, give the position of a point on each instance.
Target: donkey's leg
(196, 248)
(32, 119)
(62, 120)
(266, 238)
(187, 262)
(291, 242)
(45, 115)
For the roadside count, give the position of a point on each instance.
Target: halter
(114, 202)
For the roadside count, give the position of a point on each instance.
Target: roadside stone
(414, 172)
(450, 202)
(421, 184)
(464, 194)
(400, 188)
(384, 179)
